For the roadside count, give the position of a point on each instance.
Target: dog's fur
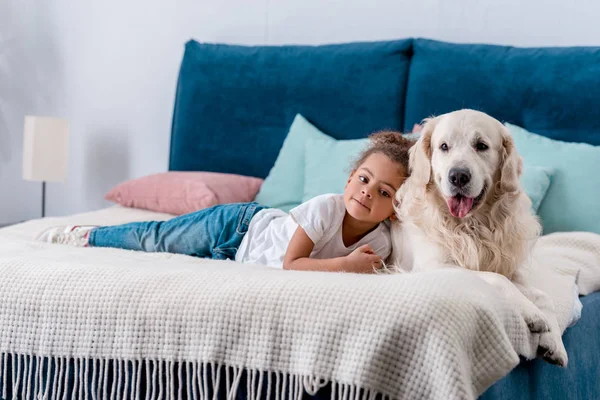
(498, 232)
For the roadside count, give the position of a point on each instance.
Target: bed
(106, 323)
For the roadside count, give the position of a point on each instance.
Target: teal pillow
(284, 185)
(571, 203)
(536, 181)
(329, 163)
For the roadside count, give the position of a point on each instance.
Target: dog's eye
(480, 146)
(444, 147)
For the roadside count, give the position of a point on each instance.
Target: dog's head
(469, 157)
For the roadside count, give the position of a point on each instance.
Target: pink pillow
(184, 192)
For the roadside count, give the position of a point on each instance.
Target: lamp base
(43, 199)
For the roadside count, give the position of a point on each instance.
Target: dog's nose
(459, 177)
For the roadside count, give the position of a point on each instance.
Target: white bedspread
(439, 335)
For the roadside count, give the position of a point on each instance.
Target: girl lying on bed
(331, 232)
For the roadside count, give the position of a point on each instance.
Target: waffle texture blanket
(172, 326)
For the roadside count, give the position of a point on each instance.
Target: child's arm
(297, 257)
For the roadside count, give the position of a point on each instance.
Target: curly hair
(389, 143)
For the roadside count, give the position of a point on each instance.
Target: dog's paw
(534, 318)
(552, 349)
(537, 324)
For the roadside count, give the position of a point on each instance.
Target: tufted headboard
(234, 104)
(554, 92)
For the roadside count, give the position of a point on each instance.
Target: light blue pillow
(284, 186)
(536, 181)
(571, 203)
(329, 163)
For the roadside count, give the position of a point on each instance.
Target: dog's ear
(511, 164)
(420, 171)
(420, 155)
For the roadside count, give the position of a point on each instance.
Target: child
(328, 233)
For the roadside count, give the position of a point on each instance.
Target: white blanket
(439, 335)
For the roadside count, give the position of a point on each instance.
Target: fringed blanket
(108, 323)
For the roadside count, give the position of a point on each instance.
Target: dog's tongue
(460, 206)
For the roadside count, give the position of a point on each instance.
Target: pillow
(284, 185)
(571, 203)
(536, 181)
(184, 192)
(329, 162)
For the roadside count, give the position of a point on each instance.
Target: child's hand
(362, 260)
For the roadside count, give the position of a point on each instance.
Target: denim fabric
(214, 232)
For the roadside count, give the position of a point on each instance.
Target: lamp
(45, 150)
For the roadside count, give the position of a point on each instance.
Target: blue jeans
(214, 232)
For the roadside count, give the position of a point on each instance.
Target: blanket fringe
(38, 377)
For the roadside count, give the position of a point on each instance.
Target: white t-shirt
(271, 230)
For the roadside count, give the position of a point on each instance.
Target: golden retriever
(463, 206)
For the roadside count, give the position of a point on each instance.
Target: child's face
(371, 188)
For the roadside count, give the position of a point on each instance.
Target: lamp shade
(45, 149)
